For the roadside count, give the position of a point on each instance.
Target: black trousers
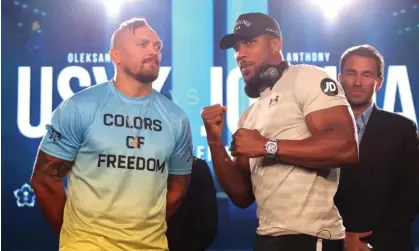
(300, 242)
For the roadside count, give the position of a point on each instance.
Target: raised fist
(213, 117)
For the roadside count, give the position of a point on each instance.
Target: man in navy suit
(378, 197)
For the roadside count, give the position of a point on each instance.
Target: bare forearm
(234, 182)
(326, 150)
(51, 197)
(173, 201)
(177, 187)
(49, 189)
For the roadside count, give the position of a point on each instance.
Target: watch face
(271, 148)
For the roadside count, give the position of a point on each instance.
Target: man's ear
(114, 54)
(380, 82)
(276, 44)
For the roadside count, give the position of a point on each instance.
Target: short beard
(141, 77)
(252, 87)
(254, 84)
(359, 105)
(362, 103)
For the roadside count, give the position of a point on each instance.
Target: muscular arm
(46, 181)
(233, 176)
(333, 141)
(177, 187)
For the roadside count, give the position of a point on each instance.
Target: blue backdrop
(53, 49)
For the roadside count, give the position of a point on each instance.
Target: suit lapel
(372, 130)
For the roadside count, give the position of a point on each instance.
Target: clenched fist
(213, 117)
(248, 143)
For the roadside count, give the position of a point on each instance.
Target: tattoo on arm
(52, 167)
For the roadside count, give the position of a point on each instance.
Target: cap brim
(229, 40)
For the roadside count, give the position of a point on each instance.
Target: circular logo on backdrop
(329, 87)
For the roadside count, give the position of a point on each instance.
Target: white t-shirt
(293, 199)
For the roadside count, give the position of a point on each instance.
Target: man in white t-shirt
(288, 145)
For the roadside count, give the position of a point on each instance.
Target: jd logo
(329, 87)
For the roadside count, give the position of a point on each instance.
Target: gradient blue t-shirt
(116, 190)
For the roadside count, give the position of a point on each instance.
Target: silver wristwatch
(270, 148)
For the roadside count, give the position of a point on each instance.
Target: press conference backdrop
(52, 49)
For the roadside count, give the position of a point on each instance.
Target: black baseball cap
(251, 25)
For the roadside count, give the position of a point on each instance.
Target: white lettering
(233, 81)
(204, 152)
(245, 22)
(397, 77)
(65, 76)
(330, 86)
(83, 58)
(88, 57)
(314, 56)
(203, 131)
(163, 74)
(99, 74)
(200, 152)
(308, 57)
(321, 57)
(327, 54)
(216, 91)
(24, 100)
(70, 58)
(217, 85)
(301, 57)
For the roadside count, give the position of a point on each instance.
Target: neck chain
(135, 140)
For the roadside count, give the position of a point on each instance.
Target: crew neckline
(268, 91)
(265, 93)
(127, 99)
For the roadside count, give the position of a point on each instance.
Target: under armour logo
(274, 100)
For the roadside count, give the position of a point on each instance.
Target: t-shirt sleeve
(316, 90)
(180, 162)
(65, 132)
